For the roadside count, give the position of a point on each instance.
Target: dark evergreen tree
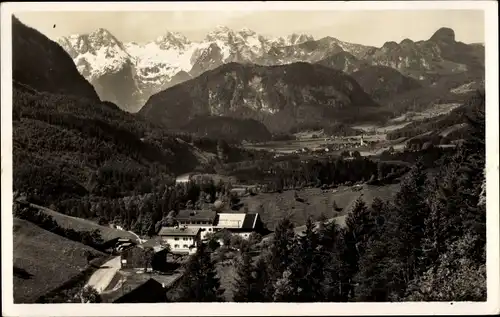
(330, 247)
(410, 211)
(252, 281)
(244, 280)
(200, 282)
(281, 248)
(307, 267)
(263, 280)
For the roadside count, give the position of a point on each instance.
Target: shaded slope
(382, 82)
(44, 65)
(43, 261)
(228, 128)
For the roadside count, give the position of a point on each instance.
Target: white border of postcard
(491, 306)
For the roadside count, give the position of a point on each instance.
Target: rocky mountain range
(281, 96)
(129, 73)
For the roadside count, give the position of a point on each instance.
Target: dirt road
(103, 276)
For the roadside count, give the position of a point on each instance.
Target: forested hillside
(70, 148)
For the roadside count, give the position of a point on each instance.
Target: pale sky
(363, 27)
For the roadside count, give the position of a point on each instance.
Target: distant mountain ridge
(129, 73)
(281, 97)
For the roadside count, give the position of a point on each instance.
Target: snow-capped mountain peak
(154, 66)
(172, 39)
(295, 38)
(96, 53)
(220, 32)
(247, 32)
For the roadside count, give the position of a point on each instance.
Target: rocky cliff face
(344, 61)
(440, 55)
(281, 97)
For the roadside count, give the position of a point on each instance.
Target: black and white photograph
(249, 152)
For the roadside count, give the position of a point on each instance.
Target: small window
(185, 246)
(176, 246)
(209, 229)
(203, 229)
(176, 239)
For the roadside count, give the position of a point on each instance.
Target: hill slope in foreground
(43, 261)
(80, 224)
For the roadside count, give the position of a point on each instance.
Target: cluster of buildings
(347, 143)
(195, 225)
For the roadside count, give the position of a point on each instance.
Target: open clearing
(43, 261)
(80, 224)
(275, 206)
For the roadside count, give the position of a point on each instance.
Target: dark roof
(249, 221)
(151, 243)
(150, 291)
(182, 231)
(236, 221)
(196, 215)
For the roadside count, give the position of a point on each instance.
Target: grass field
(43, 261)
(80, 224)
(275, 206)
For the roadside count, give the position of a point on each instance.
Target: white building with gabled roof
(180, 239)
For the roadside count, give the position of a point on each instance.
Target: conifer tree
(284, 290)
(359, 224)
(252, 282)
(244, 279)
(263, 281)
(330, 249)
(307, 267)
(411, 210)
(200, 282)
(281, 248)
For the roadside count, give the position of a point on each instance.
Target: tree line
(91, 238)
(282, 174)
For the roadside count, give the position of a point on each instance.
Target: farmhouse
(201, 219)
(239, 223)
(180, 240)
